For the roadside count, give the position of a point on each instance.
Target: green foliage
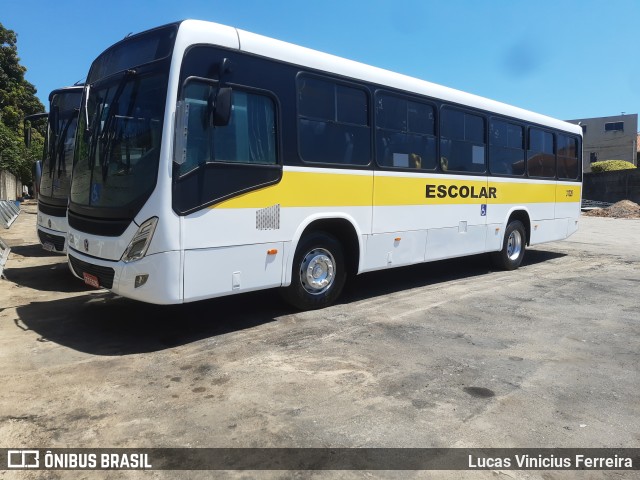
(17, 100)
(611, 165)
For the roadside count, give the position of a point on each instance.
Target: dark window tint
(391, 113)
(421, 118)
(405, 133)
(116, 164)
(134, 51)
(541, 160)
(452, 124)
(506, 148)
(567, 157)
(614, 127)
(462, 144)
(62, 123)
(352, 106)
(316, 99)
(333, 122)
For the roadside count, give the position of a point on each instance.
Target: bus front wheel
(319, 272)
(513, 247)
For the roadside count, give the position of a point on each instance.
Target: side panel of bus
(247, 242)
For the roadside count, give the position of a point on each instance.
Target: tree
(17, 99)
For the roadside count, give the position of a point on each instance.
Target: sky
(568, 59)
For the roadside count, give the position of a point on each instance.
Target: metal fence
(9, 211)
(4, 255)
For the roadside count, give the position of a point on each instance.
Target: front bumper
(163, 285)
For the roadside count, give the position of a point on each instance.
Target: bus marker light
(140, 280)
(397, 239)
(273, 251)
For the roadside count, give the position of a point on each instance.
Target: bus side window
(567, 157)
(405, 133)
(333, 122)
(249, 137)
(541, 160)
(197, 152)
(462, 144)
(506, 148)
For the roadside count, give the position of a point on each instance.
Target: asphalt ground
(444, 354)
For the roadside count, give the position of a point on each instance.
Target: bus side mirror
(222, 107)
(27, 126)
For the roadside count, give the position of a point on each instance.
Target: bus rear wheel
(319, 272)
(513, 247)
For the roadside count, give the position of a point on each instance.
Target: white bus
(212, 161)
(55, 177)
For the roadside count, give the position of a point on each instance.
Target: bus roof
(197, 31)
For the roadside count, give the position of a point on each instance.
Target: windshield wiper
(86, 109)
(61, 140)
(107, 136)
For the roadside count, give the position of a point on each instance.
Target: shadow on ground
(101, 323)
(398, 279)
(51, 277)
(35, 250)
(104, 324)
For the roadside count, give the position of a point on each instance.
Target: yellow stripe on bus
(310, 189)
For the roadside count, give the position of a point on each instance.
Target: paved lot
(448, 354)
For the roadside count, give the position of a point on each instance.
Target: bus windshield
(120, 125)
(56, 168)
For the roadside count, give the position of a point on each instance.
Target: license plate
(91, 280)
(49, 247)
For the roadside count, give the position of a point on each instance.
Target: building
(609, 138)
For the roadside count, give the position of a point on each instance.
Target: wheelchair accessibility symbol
(96, 191)
(483, 210)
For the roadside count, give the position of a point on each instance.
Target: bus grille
(105, 274)
(56, 240)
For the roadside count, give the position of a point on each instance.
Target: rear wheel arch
(524, 218)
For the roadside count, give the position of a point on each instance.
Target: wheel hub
(514, 245)
(318, 271)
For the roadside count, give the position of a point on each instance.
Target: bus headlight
(140, 243)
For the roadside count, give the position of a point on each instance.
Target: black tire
(319, 272)
(513, 247)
